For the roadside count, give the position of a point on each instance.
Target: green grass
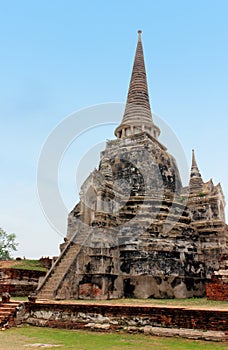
(34, 265)
(19, 298)
(187, 303)
(82, 340)
(190, 302)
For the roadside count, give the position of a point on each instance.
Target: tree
(7, 244)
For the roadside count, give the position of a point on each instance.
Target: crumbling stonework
(217, 286)
(137, 232)
(130, 318)
(19, 282)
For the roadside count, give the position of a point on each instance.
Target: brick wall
(217, 289)
(19, 282)
(115, 317)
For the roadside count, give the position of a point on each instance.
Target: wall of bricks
(217, 289)
(19, 282)
(116, 317)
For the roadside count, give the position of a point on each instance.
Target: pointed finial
(196, 182)
(193, 158)
(137, 115)
(139, 34)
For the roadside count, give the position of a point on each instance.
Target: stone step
(2, 318)
(7, 309)
(60, 269)
(45, 296)
(10, 304)
(7, 313)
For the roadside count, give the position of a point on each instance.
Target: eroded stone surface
(137, 232)
(157, 320)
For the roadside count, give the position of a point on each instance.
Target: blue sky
(58, 57)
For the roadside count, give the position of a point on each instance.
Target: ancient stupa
(136, 231)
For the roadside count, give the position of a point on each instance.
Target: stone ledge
(121, 317)
(182, 332)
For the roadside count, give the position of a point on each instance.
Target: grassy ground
(199, 303)
(25, 337)
(23, 264)
(34, 265)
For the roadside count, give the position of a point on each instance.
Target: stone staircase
(49, 286)
(8, 313)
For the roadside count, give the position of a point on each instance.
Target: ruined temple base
(186, 322)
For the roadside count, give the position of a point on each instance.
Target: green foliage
(7, 244)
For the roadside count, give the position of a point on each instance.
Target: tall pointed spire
(194, 164)
(196, 182)
(137, 116)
